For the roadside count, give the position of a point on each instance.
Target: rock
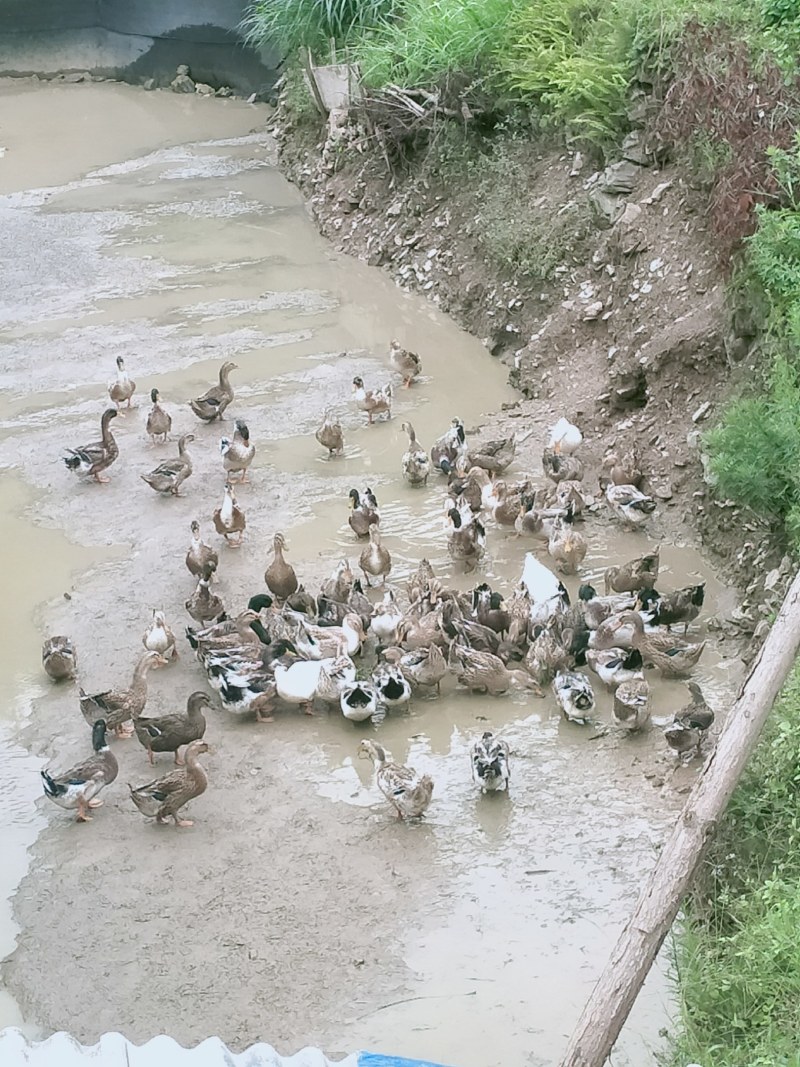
(657, 193)
(83, 76)
(182, 83)
(772, 580)
(628, 237)
(203, 90)
(634, 149)
(593, 311)
(577, 165)
(619, 179)
(638, 108)
(224, 91)
(628, 387)
(149, 84)
(607, 208)
(702, 411)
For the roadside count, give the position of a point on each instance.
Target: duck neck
(223, 377)
(226, 511)
(105, 425)
(139, 682)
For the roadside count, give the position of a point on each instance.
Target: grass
(755, 449)
(312, 23)
(434, 39)
(517, 236)
(738, 964)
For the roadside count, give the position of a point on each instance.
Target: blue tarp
(375, 1059)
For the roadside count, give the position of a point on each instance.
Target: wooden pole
(632, 957)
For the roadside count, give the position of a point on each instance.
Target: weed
(745, 107)
(515, 232)
(313, 23)
(737, 958)
(434, 39)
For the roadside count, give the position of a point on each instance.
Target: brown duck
(118, 706)
(89, 460)
(163, 798)
(280, 576)
(212, 404)
(168, 733)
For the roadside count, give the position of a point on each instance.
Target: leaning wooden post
(632, 957)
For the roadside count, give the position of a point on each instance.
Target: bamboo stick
(612, 998)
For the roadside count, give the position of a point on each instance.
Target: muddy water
(164, 232)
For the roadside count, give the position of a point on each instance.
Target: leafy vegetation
(755, 450)
(515, 233)
(436, 38)
(291, 24)
(737, 959)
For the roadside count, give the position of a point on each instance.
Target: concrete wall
(133, 40)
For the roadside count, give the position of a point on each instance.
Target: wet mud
(295, 910)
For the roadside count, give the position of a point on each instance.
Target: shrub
(563, 57)
(517, 235)
(737, 961)
(433, 39)
(744, 104)
(755, 450)
(293, 23)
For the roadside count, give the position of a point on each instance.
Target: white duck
(297, 683)
(546, 592)
(358, 701)
(574, 694)
(386, 619)
(629, 504)
(158, 637)
(564, 437)
(615, 666)
(393, 688)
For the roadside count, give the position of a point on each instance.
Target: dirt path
(295, 911)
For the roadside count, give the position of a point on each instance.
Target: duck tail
(51, 787)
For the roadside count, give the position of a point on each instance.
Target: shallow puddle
(180, 247)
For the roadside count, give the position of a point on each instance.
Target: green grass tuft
(737, 958)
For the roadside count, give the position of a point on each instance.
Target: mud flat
(295, 910)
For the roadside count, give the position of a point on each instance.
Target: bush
(291, 24)
(743, 104)
(563, 56)
(755, 451)
(737, 959)
(434, 39)
(516, 234)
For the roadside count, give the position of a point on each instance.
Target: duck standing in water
(373, 401)
(122, 388)
(408, 792)
(407, 364)
(59, 658)
(329, 434)
(229, 519)
(213, 403)
(168, 477)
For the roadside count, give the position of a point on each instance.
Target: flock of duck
(342, 649)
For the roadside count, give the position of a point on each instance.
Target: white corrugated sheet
(113, 1050)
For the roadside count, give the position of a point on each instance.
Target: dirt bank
(632, 333)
